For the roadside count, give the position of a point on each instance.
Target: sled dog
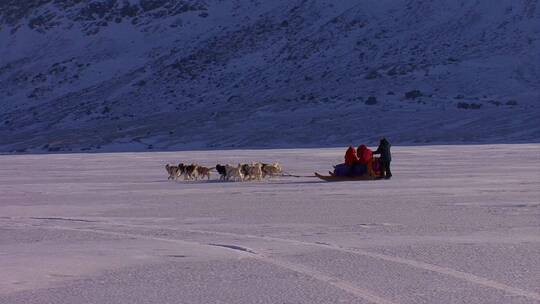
(174, 171)
(254, 171)
(245, 170)
(271, 169)
(234, 173)
(222, 170)
(203, 172)
(191, 172)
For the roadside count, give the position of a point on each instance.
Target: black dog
(245, 169)
(181, 169)
(222, 171)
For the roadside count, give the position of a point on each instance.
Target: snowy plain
(456, 224)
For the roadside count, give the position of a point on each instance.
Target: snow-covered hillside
(160, 74)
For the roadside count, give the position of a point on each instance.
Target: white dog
(255, 171)
(271, 170)
(234, 173)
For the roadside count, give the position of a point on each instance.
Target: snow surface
(456, 224)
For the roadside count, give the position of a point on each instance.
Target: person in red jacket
(350, 156)
(364, 154)
(345, 168)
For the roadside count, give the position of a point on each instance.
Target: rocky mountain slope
(109, 75)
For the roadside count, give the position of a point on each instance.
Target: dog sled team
(241, 172)
(360, 164)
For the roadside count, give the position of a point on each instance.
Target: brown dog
(271, 170)
(203, 171)
(175, 171)
(191, 172)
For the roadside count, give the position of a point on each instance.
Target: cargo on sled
(371, 171)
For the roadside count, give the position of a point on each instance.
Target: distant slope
(159, 74)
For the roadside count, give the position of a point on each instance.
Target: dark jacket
(384, 150)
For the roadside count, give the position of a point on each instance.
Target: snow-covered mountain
(87, 75)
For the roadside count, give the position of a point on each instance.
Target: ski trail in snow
(234, 247)
(450, 272)
(62, 219)
(471, 278)
(333, 281)
(319, 276)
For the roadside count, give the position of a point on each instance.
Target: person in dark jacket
(386, 157)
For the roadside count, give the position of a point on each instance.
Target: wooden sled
(331, 178)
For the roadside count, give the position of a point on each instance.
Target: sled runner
(332, 178)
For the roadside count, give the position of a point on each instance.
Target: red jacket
(350, 157)
(364, 154)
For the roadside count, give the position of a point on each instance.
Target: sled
(331, 178)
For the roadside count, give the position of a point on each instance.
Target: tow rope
(286, 174)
